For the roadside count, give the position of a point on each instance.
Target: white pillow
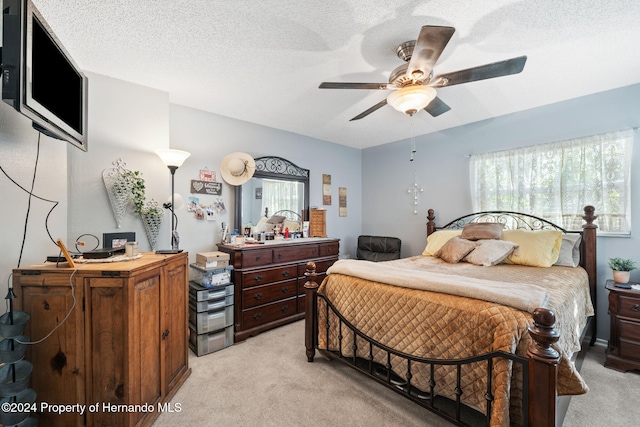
(569, 250)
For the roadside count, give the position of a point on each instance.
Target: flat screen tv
(39, 77)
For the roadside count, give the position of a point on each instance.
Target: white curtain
(280, 195)
(555, 181)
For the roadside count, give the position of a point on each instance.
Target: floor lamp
(173, 159)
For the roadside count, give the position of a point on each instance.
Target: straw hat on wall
(237, 168)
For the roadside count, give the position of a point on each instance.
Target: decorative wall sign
(326, 189)
(207, 175)
(258, 193)
(206, 187)
(342, 201)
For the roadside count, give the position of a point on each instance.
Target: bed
(283, 218)
(476, 339)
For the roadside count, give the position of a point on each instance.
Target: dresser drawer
(256, 258)
(268, 275)
(329, 249)
(629, 307)
(321, 267)
(629, 349)
(264, 294)
(629, 330)
(268, 313)
(295, 253)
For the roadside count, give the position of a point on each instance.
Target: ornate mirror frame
(275, 168)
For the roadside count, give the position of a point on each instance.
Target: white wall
(129, 122)
(443, 169)
(18, 153)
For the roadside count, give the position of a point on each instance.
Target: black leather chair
(378, 248)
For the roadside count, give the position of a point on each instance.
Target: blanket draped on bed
(523, 296)
(433, 324)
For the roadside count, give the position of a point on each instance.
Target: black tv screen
(40, 78)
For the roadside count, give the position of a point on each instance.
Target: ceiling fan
(414, 84)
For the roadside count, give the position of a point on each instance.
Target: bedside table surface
(610, 285)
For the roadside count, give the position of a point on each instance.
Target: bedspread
(438, 325)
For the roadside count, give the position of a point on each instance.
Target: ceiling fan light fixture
(411, 98)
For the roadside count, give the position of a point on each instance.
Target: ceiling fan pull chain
(413, 141)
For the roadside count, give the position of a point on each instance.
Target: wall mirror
(277, 187)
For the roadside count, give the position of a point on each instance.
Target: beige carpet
(266, 381)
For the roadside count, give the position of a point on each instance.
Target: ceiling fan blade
(483, 72)
(340, 85)
(437, 107)
(430, 44)
(370, 110)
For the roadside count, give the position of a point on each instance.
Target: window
(280, 195)
(555, 181)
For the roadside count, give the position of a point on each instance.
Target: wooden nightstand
(623, 352)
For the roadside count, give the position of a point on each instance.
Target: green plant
(133, 182)
(620, 264)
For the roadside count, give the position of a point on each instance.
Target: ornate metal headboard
(289, 215)
(511, 221)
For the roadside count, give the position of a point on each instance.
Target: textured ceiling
(262, 60)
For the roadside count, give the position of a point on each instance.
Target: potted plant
(622, 269)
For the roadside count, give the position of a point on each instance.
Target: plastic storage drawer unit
(210, 317)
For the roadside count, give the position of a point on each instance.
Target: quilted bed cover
(445, 326)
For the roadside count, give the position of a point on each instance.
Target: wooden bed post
(311, 308)
(543, 369)
(431, 225)
(589, 261)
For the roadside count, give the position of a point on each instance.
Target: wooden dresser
(125, 341)
(623, 352)
(269, 280)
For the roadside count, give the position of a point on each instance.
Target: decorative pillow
(455, 249)
(569, 250)
(539, 248)
(436, 240)
(276, 219)
(482, 230)
(490, 252)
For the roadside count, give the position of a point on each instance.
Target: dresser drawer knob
(285, 290)
(285, 308)
(257, 258)
(258, 295)
(636, 307)
(257, 316)
(279, 256)
(258, 278)
(286, 273)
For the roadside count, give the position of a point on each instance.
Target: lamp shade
(411, 98)
(173, 158)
